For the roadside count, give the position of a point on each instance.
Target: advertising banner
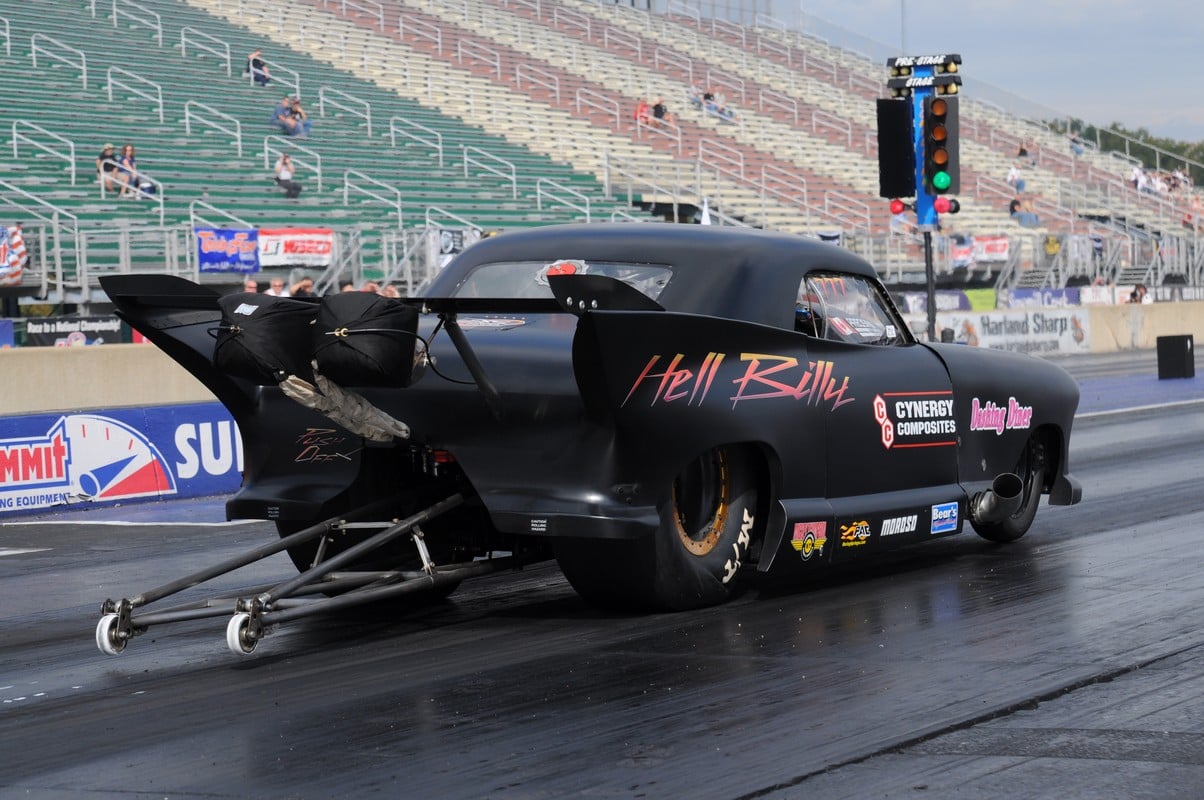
(1046, 298)
(1052, 330)
(7, 337)
(296, 247)
(227, 249)
(990, 248)
(51, 460)
(74, 331)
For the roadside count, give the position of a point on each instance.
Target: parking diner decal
(765, 376)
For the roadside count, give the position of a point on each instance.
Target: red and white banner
(295, 247)
(12, 256)
(990, 248)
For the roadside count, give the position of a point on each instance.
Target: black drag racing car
(665, 410)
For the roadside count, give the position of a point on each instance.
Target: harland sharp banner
(296, 247)
(1045, 330)
(51, 460)
(226, 249)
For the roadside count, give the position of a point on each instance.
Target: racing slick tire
(707, 528)
(1031, 468)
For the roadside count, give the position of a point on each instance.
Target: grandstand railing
(485, 160)
(612, 35)
(154, 94)
(473, 51)
(539, 77)
(190, 113)
(312, 160)
(542, 191)
(209, 44)
(367, 7)
(8, 39)
(600, 102)
(68, 155)
(793, 197)
(728, 159)
(328, 95)
(663, 57)
(131, 10)
(428, 137)
(382, 193)
(664, 129)
(64, 237)
(293, 81)
(772, 99)
(420, 28)
(195, 219)
(35, 47)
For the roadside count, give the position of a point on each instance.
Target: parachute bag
(362, 339)
(264, 338)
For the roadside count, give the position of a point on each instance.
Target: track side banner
(117, 455)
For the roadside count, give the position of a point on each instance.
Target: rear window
(524, 279)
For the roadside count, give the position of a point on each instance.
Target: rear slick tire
(707, 528)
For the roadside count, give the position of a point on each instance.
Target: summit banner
(227, 249)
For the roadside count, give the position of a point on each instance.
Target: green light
(941, 181)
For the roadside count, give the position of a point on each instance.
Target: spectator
(250, 285)
(1022, 211)
(1023, 154)
(302, 288)
(277, 288)
(694, 96)
(284, 177)
(257, 68)
(660, 113)
(127, 171)
(641, 112)
(1139, 294)
(283, 117)
(106, 169)
(1076, 144)
(301, 121)
(347, 286)
(1015, 178)
(371, 286)
(389, 290)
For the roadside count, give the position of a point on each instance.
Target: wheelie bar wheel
(108, 635)
(243, 634)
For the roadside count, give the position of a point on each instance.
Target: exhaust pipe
(999, 502)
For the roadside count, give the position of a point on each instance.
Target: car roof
(717, 270)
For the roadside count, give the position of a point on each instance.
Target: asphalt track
(1070, 664)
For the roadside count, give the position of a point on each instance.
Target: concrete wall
(41, 379)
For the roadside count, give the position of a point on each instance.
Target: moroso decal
(944, 518)
(990, 417)
(854, 534)
(899, 525)
(814, 384)
(809, 538)
(81, 457)
(915, 419)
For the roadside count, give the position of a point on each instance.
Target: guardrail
(600, 102)
(218, 48)
(53, 216)
(136, 178)
(156, 98)
(274, 71)
(432, 139)
(537, 76)
(8, 39)
(390, 196)
(366, 7)
(119, 10)
(68, 156)
(478, 52)
(324, 98)
(420, 28)
(507, 172)
(190, 114)
(194, 218)
(35, 48)
(313, 162)
(541, 192)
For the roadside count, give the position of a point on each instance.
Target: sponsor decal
(246, 309)
(854, 534)
(118, 455)
(944, 518)
(563, 267)
(899, 525)
(765, 376)
(227, 249)
(990, 417)
(809, 539)
(739, 547)
(319, 445)
(479, 323)
(915, 419)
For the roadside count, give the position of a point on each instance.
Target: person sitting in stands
(283, 117)
(660, 113)
(106, 169)
(1022, 211)
(284, 177)
(127, 171)
(257, 68)
(642, 114)
(301, 121)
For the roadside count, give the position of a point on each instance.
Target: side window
(846, 308)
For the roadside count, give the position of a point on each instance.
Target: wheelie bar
(257, 609)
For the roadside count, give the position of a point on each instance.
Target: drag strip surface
(1065, 664)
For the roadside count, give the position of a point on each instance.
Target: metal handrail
(314, 167)
(18, 137)
(223, 53)
(420, 28)
(591, 99)
(435, 210)
(435, 140)
(34, 49)
(137, 177)
(8, 39)
(366, 114)
(119, 11)
(189, 114)
(156, 98)
(540, 193)
(510, 173)
(486, 55)
(393, 202)
(547, 80)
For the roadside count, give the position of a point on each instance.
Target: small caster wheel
(239, 636)
(107, 637)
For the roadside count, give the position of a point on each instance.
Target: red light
(897, 207)
(941, 204)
